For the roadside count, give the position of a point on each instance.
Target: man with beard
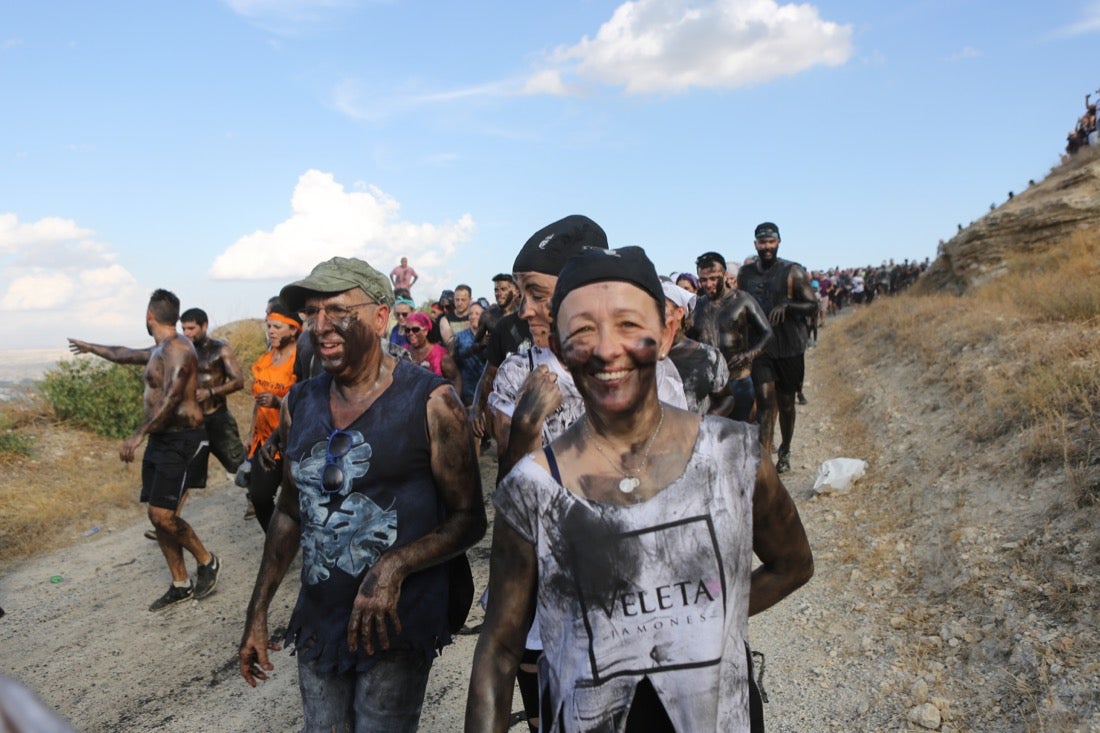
(220, 375)
(380, 489)
(173, 422)
(732, 322)
(782, 289)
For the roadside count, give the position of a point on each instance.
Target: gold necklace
(629, 482)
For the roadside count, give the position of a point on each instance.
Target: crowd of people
(632, 417)
(1084, 132)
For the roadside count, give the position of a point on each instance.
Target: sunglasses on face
(332, 476)
(414, 329)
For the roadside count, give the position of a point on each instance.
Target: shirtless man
(173, 422)
(732, 322)
(220, 375)
(403, 277)
(783, 290)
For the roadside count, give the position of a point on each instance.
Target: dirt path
(89, 648)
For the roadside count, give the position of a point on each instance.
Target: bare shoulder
(445, 409)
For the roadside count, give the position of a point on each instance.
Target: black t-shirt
(510, 335)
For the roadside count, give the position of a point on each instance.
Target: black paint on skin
(734, 324)
(581, 361)
(696, 372)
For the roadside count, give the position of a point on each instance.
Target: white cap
(683, 298)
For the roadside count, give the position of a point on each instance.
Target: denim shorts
(385, 699)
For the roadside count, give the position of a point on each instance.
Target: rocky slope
(1042, 216)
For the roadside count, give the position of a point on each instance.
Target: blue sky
(221, 149)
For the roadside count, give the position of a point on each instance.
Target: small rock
(926, 715)
(919, 691)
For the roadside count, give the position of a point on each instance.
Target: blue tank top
(387, 499)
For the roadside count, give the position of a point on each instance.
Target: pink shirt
(403, 277)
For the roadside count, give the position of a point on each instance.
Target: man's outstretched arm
(117, 354)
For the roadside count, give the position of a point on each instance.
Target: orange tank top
(277, 379)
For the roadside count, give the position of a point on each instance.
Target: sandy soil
(90, 649)
(839, 653)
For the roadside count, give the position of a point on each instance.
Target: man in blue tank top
(381, 488)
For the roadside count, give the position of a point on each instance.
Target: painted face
(194, 331)
(712, 281)
(345, 329)
(610, 335)
(462, 302)
(280, 334)
(504, 292)
(535, 291)
(766, 249)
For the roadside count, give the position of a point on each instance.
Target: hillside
(1045, 215)
(956, 584)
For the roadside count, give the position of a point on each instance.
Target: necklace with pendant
(629, 482)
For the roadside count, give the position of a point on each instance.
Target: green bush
(13, 443)
(104, 398)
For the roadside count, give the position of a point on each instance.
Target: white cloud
(55, 279)
(48, 230)
(547, 81)
(655, 46)
(356, 100)
(1089, 22)
(327, 220)
(37, 290)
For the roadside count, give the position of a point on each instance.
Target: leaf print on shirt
(344, 529)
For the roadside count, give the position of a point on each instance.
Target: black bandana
(592, 265)
(548, 249)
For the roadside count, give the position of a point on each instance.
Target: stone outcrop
(1044, 215)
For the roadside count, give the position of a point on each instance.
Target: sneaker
(208, 577)
(172, 597)
(784, 463)
(151, 534)
(802, 399)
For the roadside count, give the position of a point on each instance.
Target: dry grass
(1019, 360)
(73, 480)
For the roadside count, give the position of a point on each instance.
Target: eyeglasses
(413, 329)
(332, 476)
(332, 312)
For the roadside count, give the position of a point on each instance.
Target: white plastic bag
(837, 474)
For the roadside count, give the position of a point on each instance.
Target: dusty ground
(861, 647)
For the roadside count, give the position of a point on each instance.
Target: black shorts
(225, 438)
(787, 372)
(164, 467)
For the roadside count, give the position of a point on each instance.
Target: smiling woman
(645, 519)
